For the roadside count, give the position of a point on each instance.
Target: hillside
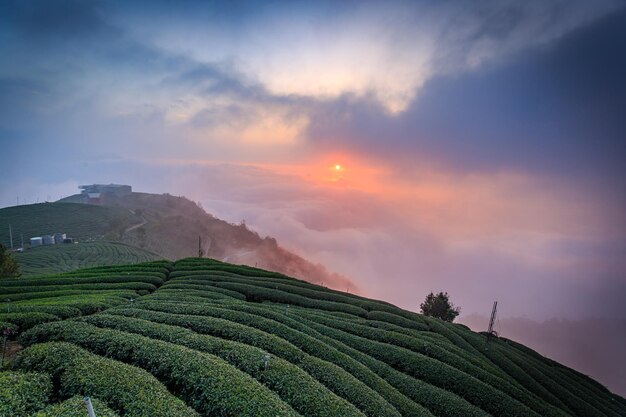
(165, 225)
(202, 337)
(62, 258)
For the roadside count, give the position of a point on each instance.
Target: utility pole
(11, 235)
(199, 247)
(490, 331)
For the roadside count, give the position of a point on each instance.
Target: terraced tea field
(79, 221)
(205, 338)
(69, 257)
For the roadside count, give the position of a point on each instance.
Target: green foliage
(22, 393)
(73, 280)
(305, 339)
(8, 265)
(125, 388)
(69, 257)
(434, 351)
(207, 383)
(80, 221)
(439, 306)
(11, 292)
(335, 378)
(283, 377)
(265, 294)
(27, 320)
(204, 328)
(75, 407)
(438, 401)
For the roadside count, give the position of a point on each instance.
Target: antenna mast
(491, 332)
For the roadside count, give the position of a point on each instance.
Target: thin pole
(4, 348)
(89, 407)
(494, 310)
(11, 235)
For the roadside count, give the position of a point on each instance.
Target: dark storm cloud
(53, 21)
(559, 110)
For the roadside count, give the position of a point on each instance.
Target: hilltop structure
(98, 193)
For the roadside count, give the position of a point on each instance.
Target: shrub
(335, 378)
(263, 319)
(126, 389)
(11, 292)
(289, 298)
(61, 311)
(397, 320)
(75, 407)
(63, 293)
(283, 377)
(22, 393)
(436, 373)
(54, 280)
(208, 384)
(204, 288)
(435, 352)
(440, 402)
(27, 320)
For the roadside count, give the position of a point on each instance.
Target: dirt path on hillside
(136, 226)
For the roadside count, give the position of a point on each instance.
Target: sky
(470, 147)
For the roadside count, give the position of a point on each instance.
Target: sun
(337, 167)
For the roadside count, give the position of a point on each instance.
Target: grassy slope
(231, 340)
(79, 221)
(63, 258)
(90, 225)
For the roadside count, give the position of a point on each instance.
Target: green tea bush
(577, 402)
(45, 281)
(306, 395)
(288, 285)
(63, 293)
(75, 407)
(435, 372)
(11, 327)
(332, 376)
(128, 390)
(10, 292)
(179, 295)
(263, 319)
(61, 311)
(22, 393)
(397, 320)
(27, 320)
(205, 288)
(434, 351)
(277, 296)
(207, 383)
(440, 402)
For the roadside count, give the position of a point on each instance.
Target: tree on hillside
(8, 264)
(439, 305)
